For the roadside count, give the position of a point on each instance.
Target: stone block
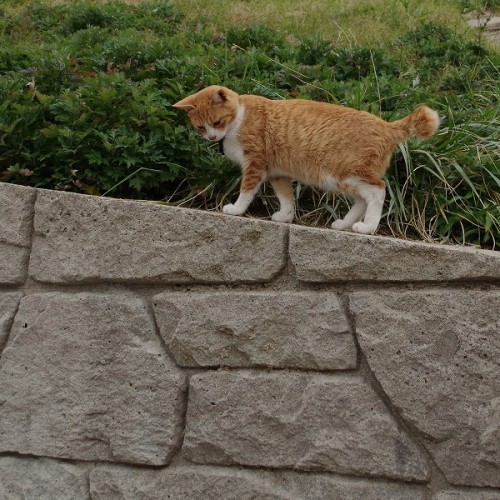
(13, 264)
(468, 494)
(84, 376)
(321, 255)
(225, 483)
(245, 329)
(42, 479)
(108, 483)
(8, 307)
(436, 354)
(16, 215)
(88, 239)
(297, 420)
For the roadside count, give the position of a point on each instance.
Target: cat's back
(276, 106)
(302, 112)
(305, 138)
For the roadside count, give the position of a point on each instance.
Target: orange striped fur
(330, 147)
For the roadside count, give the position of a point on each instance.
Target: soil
(490, 23)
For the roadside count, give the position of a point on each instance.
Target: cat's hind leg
(353, 215)
(284, 191)
(372, 191)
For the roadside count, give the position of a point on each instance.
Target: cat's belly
(320, 180)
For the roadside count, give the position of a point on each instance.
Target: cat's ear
(220, 96)
(186, 104)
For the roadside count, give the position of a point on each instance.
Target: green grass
(99, 119)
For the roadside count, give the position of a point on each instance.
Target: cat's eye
(201, 128)
(217, 123)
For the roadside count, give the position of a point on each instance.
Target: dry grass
(343, 21)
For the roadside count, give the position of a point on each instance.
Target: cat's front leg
(241, 205)
(253, 177)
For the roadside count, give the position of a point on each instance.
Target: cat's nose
(212, 137)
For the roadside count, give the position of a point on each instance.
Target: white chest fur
(232, 145)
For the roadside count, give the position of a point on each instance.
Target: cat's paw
(341, 225)
(232, 210)
(361, 227)
(283, 216)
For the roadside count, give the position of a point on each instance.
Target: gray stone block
(224, 483)
(321, 255)
(16, 214)
(42, 479)
(8, 307)
(201, 483)
(84, 376)
(435, 353)
(300, 421)
(467, 494)
(88, 239)
(245, 329)
(13, 264)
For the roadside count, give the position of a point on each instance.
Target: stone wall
(151, 352)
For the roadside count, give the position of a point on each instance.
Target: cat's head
(211, 111)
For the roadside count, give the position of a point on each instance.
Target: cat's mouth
(215, 137)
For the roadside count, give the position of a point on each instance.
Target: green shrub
(438, 52)
(314, 50)
(255, 36)
(100, 119)
(82, 15)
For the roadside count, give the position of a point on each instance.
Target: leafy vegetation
(86, 90)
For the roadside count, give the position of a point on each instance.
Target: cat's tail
(422, 123)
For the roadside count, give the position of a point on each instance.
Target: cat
(331, 147)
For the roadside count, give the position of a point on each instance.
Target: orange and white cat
(330, 147)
